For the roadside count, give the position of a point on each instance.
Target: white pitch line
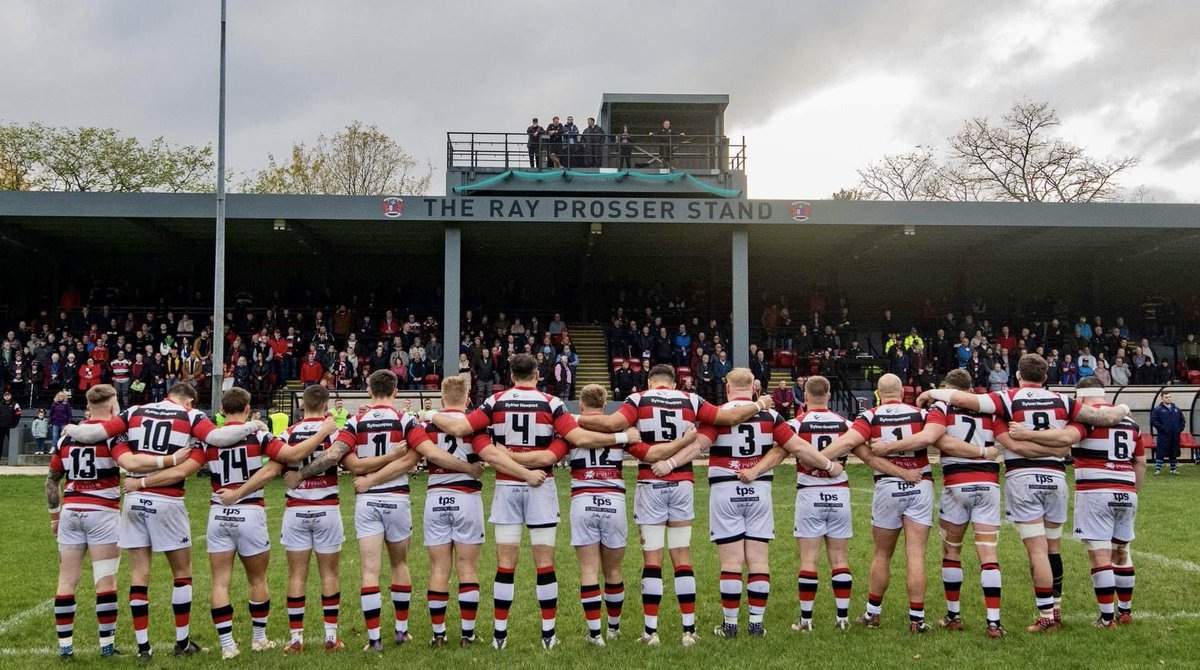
(20, 618)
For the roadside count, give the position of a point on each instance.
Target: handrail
(475, 150)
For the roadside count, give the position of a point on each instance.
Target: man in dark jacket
(1167, 421)
(593, 141)
(10, 414)
(623, 381)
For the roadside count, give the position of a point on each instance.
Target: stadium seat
(1187, 441)
(979, 389)
(683, 371)
(635, 364)
(910, 395)
(1193, 376)
(1181, 371)
(432, 382)
(617, 361)
(787, 359)
(814, 365)
(1146, 441)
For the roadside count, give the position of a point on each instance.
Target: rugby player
(524, 419)
(598, 526)
(382, 512)
(453, 519)
(1035, 480)
(663, 501)
(741, 513)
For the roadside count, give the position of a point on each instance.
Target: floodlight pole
(218, 344)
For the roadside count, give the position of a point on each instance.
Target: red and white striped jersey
(232, 466)
(524, 419)
(1038, 409)
(321, 489)
(161, 429)
(93, 478)
(375, 432)
(819, 428)
(662, 415)
(893, 421)
(1104, 457)
(597, 470)
(977, 430)
(120, 369)
(464, 449)
(743, 445)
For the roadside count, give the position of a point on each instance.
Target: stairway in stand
(588, 342)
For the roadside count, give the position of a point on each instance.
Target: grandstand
(674, 231)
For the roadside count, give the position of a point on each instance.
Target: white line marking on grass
(20, 618)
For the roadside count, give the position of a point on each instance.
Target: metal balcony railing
(514, 151)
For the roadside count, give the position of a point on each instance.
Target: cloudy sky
(817, 88)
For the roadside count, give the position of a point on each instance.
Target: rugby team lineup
(522, 433)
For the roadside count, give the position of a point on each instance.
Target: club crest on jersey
(800, 210)
(393, 207)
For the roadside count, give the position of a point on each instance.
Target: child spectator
(40, 431)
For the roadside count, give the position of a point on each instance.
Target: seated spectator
(417, 369)
(1120, 371)
(997, 378)
(1068, 371)
(782, 397)
(311, 369)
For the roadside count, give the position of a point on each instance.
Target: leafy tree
(357, 160)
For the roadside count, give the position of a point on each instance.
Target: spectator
(119, 368)
(721, 368)
(10, 414)
(1190, 349)
(1145, 372)
(997, 378)
(898, 363)
(534, 144)
(434, 354)
(706, 377)
(339, 413)
(1167, 421)
(553, 142)
(40, 430)
(625, 148)
(962, 352)
(311, 369)
(556, 325)
(571, 142)
(1163, 373)
(593, 142)
(782, 397)
(1103, 371)
(464, 367)
(664, 349)
(666, 147)
(400, 369)
(60, 415)
(417, 369)
(1068, 371)
(623, 381)
(683, 345)
(158, 388)
(545, 370)
(241, 373)
(761, 369)
(485, 374)
(1086, 363)
(1120, 371)
(564, 378)
(260, 374)
(378, 359)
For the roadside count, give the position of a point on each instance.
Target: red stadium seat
(910, 395)
(1146, 440)
(1181, 371)
(617, 361)
(635, 364)
(787, 359)
(814, 365)
(683, 371)
(1193, 376)
(1188, 441)
(432, 382)
(979, 389)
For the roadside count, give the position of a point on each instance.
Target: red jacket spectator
(389, 327)
(100, 353)
(89, 375)
(311, 370)
(279, 345)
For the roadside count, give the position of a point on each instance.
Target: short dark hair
(183, 390)
(661, 370)
(381, 383)
(234, 401)
(958, 378)
(523, 367)
(1090, 382)
(1032, 368)
(314, 399)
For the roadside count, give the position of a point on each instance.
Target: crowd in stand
(45, 361)
(560, 144)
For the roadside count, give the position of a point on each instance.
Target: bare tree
(1021, 160)
(357, 160)
(908, 176)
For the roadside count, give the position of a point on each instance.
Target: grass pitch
(1166, 632)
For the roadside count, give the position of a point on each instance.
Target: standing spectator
(534, 144)
(260, 374)
(311, 369)
(564, 378)
(623, 381)
(640, 378)
(782, 397)
(571, 142)
(625, 148)
(682, 346)
(706, 377)
(1068, 371)
(962, 352)
(434, 354)
(1190, 349)
(664, 350)
(761, 368)
(593, 142)
(556, 325)
(174, 367)
(417, 369)
(60, 416)
(10, 414)
(90, 375)
(721, 367)
(997, 378)
(545, 371)
(553, 142)
(1103, 371)
(1167, 421)
(485, 374)
(898, 363)
(40, 430)
(120, 368)
(666, 149)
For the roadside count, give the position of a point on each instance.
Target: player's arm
(459, 425)
(1028, 449)
(886, 466)
(166, 477)
(505, 462)
(684, 456)
(141, 463)
(731, 416)
(590, 439)
(949, 445)
(844, 444)
(769, 460)
(91, 433)
(294, 453)
(54, 494)
(265, 474)
(225, 436)
(1054, 437)
(361, 466)
(981, 402)
(540, 458)
(442, 459)
(1105, 417)
(604, 423)
(810, 457)
(328, 459)
(667, 450)
(404, 464)
(922, 439)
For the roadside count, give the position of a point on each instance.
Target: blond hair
(593, 396)
(454, 390)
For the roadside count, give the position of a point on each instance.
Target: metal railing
(511, 151)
